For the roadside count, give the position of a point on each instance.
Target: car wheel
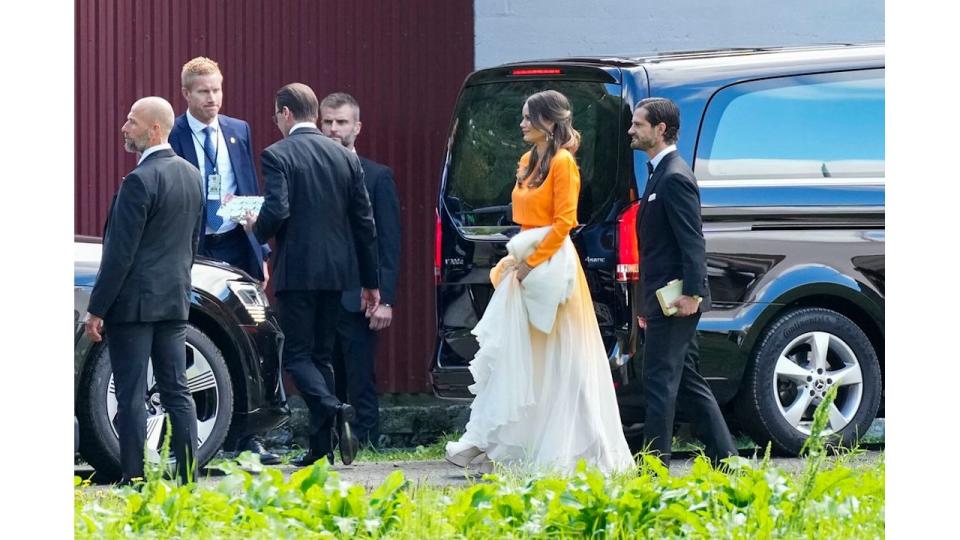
(801, 355)
(210, 386)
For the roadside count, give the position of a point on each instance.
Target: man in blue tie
(219, 146)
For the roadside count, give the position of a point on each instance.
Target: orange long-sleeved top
(553, 203)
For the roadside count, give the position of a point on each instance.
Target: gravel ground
(441, 473)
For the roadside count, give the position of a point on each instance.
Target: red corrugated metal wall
(403, 61)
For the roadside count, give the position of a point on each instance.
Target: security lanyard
(216, 150)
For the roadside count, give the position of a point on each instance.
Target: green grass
(751, 500)
(420, 453)
(832, 497)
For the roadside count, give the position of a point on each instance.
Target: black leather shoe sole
(349, 445)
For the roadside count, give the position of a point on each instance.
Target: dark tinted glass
(487, 145)
(811, 126)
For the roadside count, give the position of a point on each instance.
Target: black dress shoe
(310, 458)
(253, 444)
(320, 447)
(349, 445)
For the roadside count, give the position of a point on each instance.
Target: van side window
(802, 127)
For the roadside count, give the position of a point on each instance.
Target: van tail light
(628, 252)
(438, 239)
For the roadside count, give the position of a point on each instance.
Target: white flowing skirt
(543, 401)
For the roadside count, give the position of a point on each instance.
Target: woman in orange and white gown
(544, 393)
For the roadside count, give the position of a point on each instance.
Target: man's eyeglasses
(274, 117)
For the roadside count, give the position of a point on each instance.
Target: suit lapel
(186, 141)
(166, 152)
(229, 137)
(368, 179)
(652, 184)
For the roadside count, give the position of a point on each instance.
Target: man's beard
(134, 146)
(638, 144)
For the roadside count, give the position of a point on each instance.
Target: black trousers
(354, 371)
(233, 247)
(671, 381)
(309, 323)
(131, 345)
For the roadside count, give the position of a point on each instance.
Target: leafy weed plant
(830, 498)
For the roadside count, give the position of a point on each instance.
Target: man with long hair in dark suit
(141, 299)
(316, 206)
(670, 234)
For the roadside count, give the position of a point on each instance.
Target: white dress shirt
(228, 181)
(151, 150)
(656, 159)
(299, 125)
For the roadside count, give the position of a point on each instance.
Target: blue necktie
(210, 154)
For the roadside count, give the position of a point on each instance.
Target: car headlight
(253, 299)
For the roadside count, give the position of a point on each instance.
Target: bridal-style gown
(544, 393)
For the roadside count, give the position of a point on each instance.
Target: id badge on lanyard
(213, 187)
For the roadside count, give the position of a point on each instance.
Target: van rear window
(486, 146)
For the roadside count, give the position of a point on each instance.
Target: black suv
(233, 365)
(788, 147)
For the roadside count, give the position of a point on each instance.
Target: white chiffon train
(543, 400)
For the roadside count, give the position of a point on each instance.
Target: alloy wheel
(806, 369)
(202, 384)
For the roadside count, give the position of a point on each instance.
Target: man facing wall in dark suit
(141, 298)
(672, 246)
(317, 208)
(220, 147)
(356, 334)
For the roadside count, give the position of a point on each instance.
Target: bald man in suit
(141, 298)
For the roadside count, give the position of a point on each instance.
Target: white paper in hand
(237, 207)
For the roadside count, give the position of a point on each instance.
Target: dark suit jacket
(237, 134)
(316, 205)
(386, 213)
(670, 234)
(150, 242)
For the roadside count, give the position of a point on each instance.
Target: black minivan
(788, 148)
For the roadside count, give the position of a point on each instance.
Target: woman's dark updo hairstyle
(552, 106)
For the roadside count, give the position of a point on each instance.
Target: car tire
(210, 386)
(800, 355)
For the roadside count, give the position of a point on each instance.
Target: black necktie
(649, 170)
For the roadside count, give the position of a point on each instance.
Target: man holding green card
(673, 256)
